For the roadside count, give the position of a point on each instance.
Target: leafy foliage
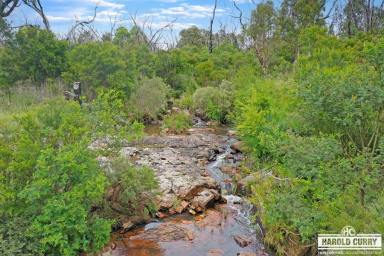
(321, 170)
(214, 103)
(149, 98)
(177, 122)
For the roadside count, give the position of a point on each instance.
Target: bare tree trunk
(37, 7)
(211, 28)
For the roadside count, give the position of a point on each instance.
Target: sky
(62, 14)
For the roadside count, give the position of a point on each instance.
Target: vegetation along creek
(191, 128)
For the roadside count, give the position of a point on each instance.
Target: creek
(224, 228)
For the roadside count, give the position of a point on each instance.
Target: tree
(192, 36)
(261, 30)
(37, 55)
(296, 15)
(8, 6)
(101, 64)
(122, 36)
(362, 16)
(210, 46)
(5, 32)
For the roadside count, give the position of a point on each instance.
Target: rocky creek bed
(198, 215)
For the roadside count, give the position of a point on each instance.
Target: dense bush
(137, 188)
(177, 122)
(50, 182)
(318, 144)
(149, 99)
(213, 102)
(101, 64)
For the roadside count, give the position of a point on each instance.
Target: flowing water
(211, 233)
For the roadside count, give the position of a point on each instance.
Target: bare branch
(211, 28)
(7, 7)
(37, 7)
(81, 23)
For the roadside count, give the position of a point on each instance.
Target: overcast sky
(183, 13)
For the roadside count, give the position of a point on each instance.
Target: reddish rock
(199, 217)
(215, 252)
(166, 233)
(161, 215)
(127, 226)
(242, 241)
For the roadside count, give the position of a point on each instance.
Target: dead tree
(83, 25)
(38, 8)
(211, 28)
(8, 6)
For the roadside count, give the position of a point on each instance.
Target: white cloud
(105, 3)
(169, 1)
(186, 11)
(243, 1)
(58, 18)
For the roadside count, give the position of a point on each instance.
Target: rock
(212, 155)
(212, 218)
(182, 207)
(190, 234)
(231, 133)
(199, 217)
(229, 157)
(213, 123)
(242, 241)
(228, 169)
(161, 215)
(238, 146)
(166, 232)
(232, 199)
(128, 225)
(191, 211)
(242, 183)
(202, 200)
(247, 254)
(215, 252)
(200, 130)
(167, 201)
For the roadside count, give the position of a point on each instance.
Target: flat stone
(215, 252)
(242, 241)
(166, 232)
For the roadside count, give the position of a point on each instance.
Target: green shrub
(138, 188)
(98, 64)
(149, 99)
(177, 122)
(214, 103)
(317, 145)
(52, 181)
